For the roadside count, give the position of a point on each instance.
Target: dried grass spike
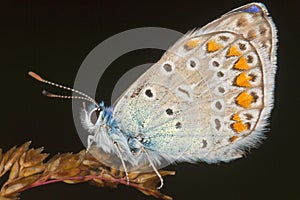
(28, 170)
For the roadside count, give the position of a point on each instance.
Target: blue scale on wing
(251, 9)
(168, 135)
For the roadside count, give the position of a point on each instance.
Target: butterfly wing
(210, 94)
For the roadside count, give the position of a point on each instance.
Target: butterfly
(207, 99)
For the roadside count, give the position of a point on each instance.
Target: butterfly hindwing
(209, 95)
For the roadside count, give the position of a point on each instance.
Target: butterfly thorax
(105, 132)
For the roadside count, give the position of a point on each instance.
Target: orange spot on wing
(243, 80)
(241, 64)
(239, 127)
(234, 51)
(236, 117)
(212, 46)
(191, 44)
(233, 138)
(244, 99)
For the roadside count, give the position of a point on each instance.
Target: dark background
(54, 38)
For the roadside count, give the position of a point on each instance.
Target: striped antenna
(48, 94)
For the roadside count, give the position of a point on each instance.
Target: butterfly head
(97, 114)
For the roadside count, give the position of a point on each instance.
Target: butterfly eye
(95, 115)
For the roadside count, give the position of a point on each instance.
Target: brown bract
(28, 169)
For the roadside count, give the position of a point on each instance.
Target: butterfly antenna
(48, 94)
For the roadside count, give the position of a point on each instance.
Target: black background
(54, 38)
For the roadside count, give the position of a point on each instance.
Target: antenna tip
(46, 93)
(35, 76)
(49, 94)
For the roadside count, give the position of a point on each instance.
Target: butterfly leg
(90, 141)
(122, 160)
(91, 138)
(154, 168)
